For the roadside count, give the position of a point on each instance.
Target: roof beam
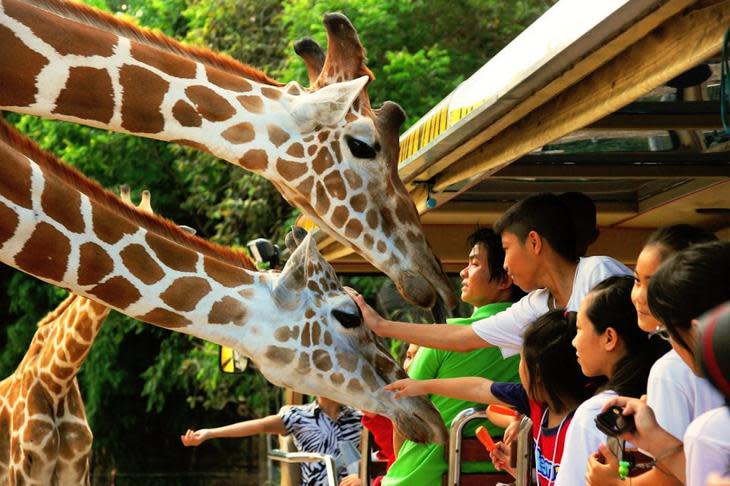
(678, 44)
(657, 115)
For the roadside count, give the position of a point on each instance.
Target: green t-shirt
(425, 464)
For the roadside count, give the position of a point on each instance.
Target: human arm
(649, 436)
(458, 338)
(469, 388)
(267, 425)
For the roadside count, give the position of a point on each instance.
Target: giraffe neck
(92, 244)
(73, 329)
(78, 72)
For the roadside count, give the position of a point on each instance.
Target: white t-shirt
(505, 329)
(582, 441)
(677, 396)
(707, 446)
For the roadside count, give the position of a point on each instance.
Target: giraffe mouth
(422, 424)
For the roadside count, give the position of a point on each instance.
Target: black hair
(495, 257)
(545, 214)
(688, 284)
(583, 212)
(551, 363)
(678, 237)
(611, 306)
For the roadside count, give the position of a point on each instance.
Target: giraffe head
(341, 166)
(331, 353)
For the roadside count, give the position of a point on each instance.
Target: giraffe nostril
(347, 319)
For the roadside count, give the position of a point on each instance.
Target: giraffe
(324, 148)
(299, 326)
(44, 436)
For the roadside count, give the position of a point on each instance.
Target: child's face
(646, 265)
(518, 261)
(588, 343)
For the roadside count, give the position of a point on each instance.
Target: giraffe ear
(328, 105)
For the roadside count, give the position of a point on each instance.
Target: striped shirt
(314, 431)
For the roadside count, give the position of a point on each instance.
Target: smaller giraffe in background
(44, 436)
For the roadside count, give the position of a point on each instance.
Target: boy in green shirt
(487, 287)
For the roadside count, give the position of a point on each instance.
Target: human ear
(610, 339)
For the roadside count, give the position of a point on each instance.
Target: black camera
(613, 423)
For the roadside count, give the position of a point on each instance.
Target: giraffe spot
(225, 274)
(295, 332)
(141, 107)
(271, 93)
(315, 332)
(381, 246)
(255, 160)
(171, 254)
(339, 216)
(336, 150)
(94, 264)
(296, 150)
(308, 139)
(65, 36)
(20, 64)
(165, 318)
(322, 360)
(190, 143)
(45, 253)
(37, 401)
(177, 66)
(312, 285)
(227, 311)
(354, 386)
(353, 179)
(346, 361)
(76, 440)
(327, 338)
(117, 292)
(227, 80)
(63, 206)
(369, 377)
(109, 227)
(8, 223)
(306, 186)
(358, 202)
(303, 365)
(305, 335)
(322, 161)
(388, 224)
(15, 175)
(350, 117)
(353, 229)
(75, 99)
(277, 135)
(372, 218)
(61, 372)
(403, 210)
(282, 334)
(412, 236)
(279, 355)
(311, 150)
(240, 133)
(186, 115)
(35, 432)
(335, 185)
(309, 313)
(209, 104)
(252, 104)
(323, 135)
(185, 293)
(337, 378)
(323, 202)
(141, 264)
(290, 170)
(400, 244)
(53, 387)
(384, 364)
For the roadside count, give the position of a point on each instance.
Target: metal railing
(299, 457)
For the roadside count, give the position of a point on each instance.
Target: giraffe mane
(153, 223)
(60, 309)
(97, 18)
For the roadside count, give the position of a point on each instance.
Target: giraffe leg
(33, 448)
(72, 468)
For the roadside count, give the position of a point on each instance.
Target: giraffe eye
(360, 149)
(348, 320)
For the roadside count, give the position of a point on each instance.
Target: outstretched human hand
(194, 437)
(370, 317)
(408, 387)
(500, 457)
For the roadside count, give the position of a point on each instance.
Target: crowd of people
(562, 337)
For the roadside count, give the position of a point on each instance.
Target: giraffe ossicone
(299, 326)
(324, 148)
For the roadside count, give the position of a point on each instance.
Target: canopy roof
(618, 99)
